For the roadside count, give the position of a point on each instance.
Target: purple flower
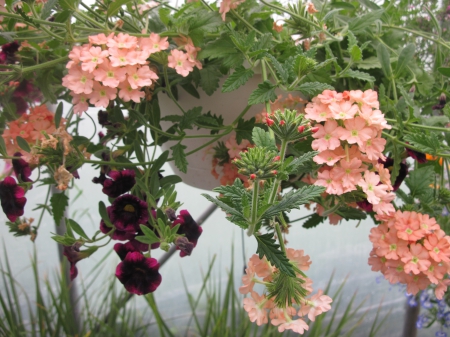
(120, 182)
(139, 274)
(189, 228)
(7, 54)
(389, 163)
(440, 334)
(122, 249)
(21, 168)
(127, 212)
(12, 198)
(117, 234)
(418, 156)
(74, 255)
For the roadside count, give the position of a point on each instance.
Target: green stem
(246, 23)
(420, 126)
(426, 36)
(409, 146)
(276, 181)
(280, 234)
(254, 214)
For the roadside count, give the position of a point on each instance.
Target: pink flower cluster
(109, 67)
(260, 308)
(348, 138)
(227, 5)
(184, 62)
(411, 248)
(30, 126)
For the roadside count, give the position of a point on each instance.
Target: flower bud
(315, 129)
(269, 121)
(252, 176)
(301, 128)
(282, 122)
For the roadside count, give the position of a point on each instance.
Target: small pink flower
(179, 61)
(92, 57)
(417, 259)
(108, 75)
(317, 112)
(255, 308)
(227, 5)
(127, 93)
(355, 131)
(140, 77)
(101, 95)
(326, 137)
(154, 43)
(122, 41)
(343, 110)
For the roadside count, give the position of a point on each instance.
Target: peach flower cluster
(260, 308)
(412, 249)
(109, 67)
(30, 126)
(348, 138)
(229, 172)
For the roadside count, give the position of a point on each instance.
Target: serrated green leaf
(172, 118)
(264, 93)
(351, 213)
(312, 88)
(424, 143)
(218, 48)
(358, 75)
(237, 79)
(209, 79)
(180, 157)
(293, 199)
(47, 9)
(76, 228)
(58, 203)
(356, 53)
(188, 119)
(282, 70)
(408, 100)
(405, 56)
(301, 161)
(263, 139)
(419, 180)
(384, 58)
(313, 221)
(371, 62)
(244, 129)
(58, 114)
(23, 144)
(226, 208)
(268, 248)
(114, 7)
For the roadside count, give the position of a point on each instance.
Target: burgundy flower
(12, 198)
(120, 182)
(189, 228)
(73, 255)
(127, 212)
(365, 205)
(7, 54)
(21, 168)
(419, 156)
(122, 249)
(139, 274)
(184, 245)
(117, 234)
(389, 163)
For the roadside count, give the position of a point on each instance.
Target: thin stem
(246, 23)
(280, 234)
(420, 126)
(254, 214)
(409, 146)
(276, 181)
(426, 36)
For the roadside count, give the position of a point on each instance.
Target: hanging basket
(229, 106)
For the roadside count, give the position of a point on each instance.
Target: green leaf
(356, 53)
(138, 150)
(313, 221)
(434, 20)
(189, 118)
(244, 129)
(371, 62)
(23, 144)
(263, 139)
(282, 71)
(264, 93)
(64, 240)
(419, 180)
(180, 157)
(228, 209)
(170, 180)
(149, 234)
(384, 58)
(237, 79)
(397, 160)
(444, 71)
(209, 79)
(104, 214)
(218, 49)
(114, 7)
(424, 143)
(47, 9)
(405, 56)
(58, 203)
(293, 199)
(358, 75)
(268, 248)
(2, 146)
(361, 22)
(343, 5)
(351, 213)
(162, 159)
(312, 88)
(406, 96)
(58, 114)
(76, 228)
(300, 162)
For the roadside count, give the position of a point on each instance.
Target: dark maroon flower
(419, 156)
(189, 228)
(184, 245)
(442, 102)
(21, 105)
(117, 234)
(139, 274)
(104, 169)
(7, 54)
(120, 182)
(103, 118)
(389, 163)
(365, 205)
(122, 249)
(21, 168)
(73, 255)
(127, 212)
(12, 198)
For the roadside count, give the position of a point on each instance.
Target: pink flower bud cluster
(350, 144)
(411, 248)
(30, 126)
(260, 307)
(109, 67)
